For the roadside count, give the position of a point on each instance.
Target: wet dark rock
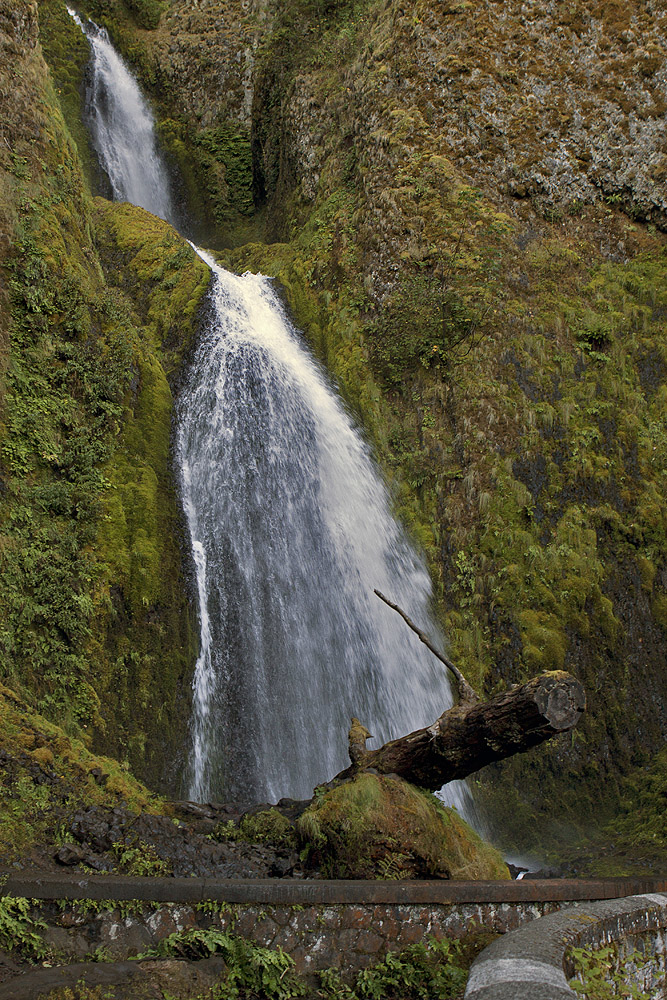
(70, 854)
(186, 847)
(97, 828)
(197, 810)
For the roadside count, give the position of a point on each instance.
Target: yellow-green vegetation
(142, 860)
(266, 827)
(47, 775)
(431, 969)
(80, 992)
(148, 641)
(96, 632)
(377, 827)
(67, 53)
(19, 929)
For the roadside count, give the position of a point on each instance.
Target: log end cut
(560, 699)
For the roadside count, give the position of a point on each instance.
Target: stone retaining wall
(341, 936)
(345, 925)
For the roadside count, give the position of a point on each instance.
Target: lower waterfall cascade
(290, 526)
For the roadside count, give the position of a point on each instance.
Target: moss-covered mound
(379, 827)
(46, 776)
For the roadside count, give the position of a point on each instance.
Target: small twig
(466, 692)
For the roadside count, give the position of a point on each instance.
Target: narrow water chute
(122, 128)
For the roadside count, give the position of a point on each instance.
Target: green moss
(32, 812)
(63, 389)
(124, 15)
(67, 53)
(382, 827)
(268, 826)
(226, 163)
(146, 13)
(150, 638)
(544, 641)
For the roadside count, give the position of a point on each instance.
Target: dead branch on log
(466, 692)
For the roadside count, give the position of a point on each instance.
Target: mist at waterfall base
(290, 526)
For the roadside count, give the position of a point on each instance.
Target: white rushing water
(122, 128)
(291, 529)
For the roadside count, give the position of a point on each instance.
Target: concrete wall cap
(538, 951)
(514, 970)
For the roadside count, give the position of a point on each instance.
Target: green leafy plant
(19, 929)
(420, 972)
(251, 970)
(141, 859)
(604, 974)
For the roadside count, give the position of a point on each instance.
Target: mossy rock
(380, 827)
(268, 827)
(48, 775)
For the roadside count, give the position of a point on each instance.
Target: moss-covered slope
(96, 629)
(46, 777)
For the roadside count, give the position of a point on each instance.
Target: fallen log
(473, 734)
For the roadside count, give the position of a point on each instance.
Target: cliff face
(100, 303)
(470, 206)
(465, 204)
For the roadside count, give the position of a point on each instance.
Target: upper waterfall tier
(123, 129)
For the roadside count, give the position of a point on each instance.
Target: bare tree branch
(466, 692)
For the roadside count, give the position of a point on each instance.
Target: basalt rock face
(565, 104)
(465, 205)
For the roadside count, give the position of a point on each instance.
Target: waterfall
(292, 529)
(290, 526)
(122, 128)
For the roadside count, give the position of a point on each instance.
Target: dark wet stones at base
(71, 854)
(181, 846)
